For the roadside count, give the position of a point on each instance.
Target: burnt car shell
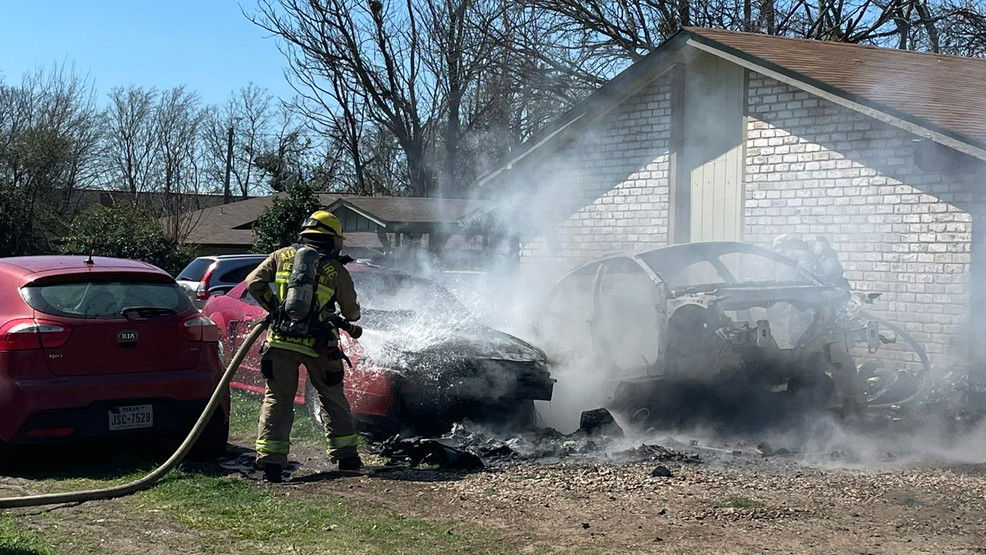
(709, 331)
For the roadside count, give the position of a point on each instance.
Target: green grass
(17, 540)
(234, 514)
(17, 537)
(227, 513)
(245, 410)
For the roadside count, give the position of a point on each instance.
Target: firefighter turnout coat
(268, 284)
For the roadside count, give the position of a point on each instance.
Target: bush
(279, 224)
(125, 233)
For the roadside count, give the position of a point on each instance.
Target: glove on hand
(354, 330)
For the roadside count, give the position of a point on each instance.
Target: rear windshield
(104, 299)
(196, 270)
(238, 274)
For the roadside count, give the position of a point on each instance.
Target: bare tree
(288, 155)
(177, 125)
(130, 143)
(371, 51)
(249, 116)
(602, 38)
(49, 131)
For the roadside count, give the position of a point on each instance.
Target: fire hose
(155, 475)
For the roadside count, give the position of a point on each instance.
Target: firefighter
(312, 341)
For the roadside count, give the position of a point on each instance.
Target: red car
(101, 348)
(422, 363)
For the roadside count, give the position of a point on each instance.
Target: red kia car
(101, 348)
(421, 364)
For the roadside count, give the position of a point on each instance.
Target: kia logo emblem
(127, 338)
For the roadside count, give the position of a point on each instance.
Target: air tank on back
(301, 284)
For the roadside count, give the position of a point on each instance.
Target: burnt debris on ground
(468, 448)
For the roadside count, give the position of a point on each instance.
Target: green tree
(17, 236)
(279, 224)
(125, 233)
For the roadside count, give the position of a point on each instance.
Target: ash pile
(467, 447)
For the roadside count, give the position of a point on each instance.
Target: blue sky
(207, 44)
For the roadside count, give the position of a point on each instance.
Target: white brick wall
(619, 177)
(814, 167)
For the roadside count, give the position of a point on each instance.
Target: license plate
(132, 417)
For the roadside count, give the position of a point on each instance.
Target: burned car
(726, 333)
(421, 364)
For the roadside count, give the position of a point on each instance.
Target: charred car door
(627, 317)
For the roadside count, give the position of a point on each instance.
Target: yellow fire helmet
(322, 222)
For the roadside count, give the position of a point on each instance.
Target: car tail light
(28, 333)
(202, 292)
(200, 328)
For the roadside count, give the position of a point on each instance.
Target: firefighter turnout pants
(277, 411)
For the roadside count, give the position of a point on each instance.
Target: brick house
(720, 135)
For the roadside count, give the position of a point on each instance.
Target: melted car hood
(403, 334)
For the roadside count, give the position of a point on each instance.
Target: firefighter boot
(348, 459)
(350, 464)
(272, 473)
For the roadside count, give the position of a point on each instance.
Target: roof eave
(369, 216)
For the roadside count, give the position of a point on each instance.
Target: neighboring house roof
(396, 210)
(230, 224)
(935, 96)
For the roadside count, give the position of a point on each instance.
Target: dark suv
(216, 275)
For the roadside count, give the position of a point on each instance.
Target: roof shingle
(946, 93)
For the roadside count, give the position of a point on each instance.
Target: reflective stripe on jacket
(321, 299)
(334, 285)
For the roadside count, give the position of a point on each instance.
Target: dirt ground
(731, 503)
(739, 504)
(744, 506)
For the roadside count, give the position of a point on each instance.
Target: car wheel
(213, 441)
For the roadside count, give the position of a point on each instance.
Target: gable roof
(230, 224)
(397, 210)
(939, 93)
(935, 96)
